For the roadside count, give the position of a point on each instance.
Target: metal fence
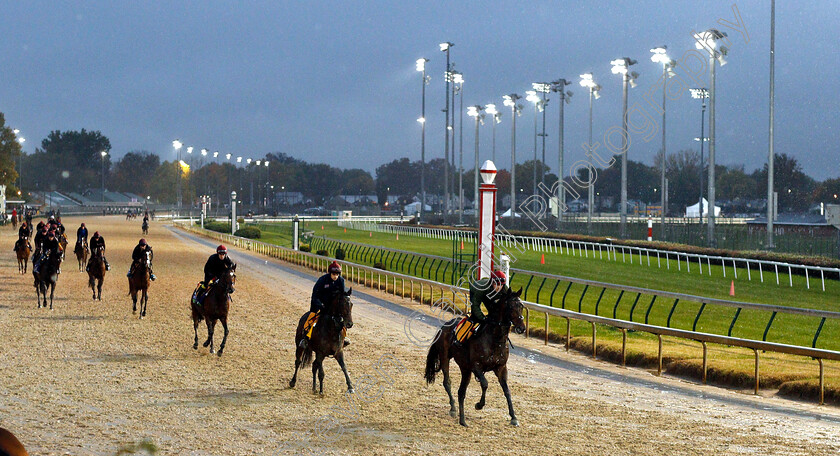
(436, 291)
(746, 266)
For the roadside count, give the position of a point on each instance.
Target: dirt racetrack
(89, 378)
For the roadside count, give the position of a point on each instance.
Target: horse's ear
(234, 267)
(349, 292)
(518, 293)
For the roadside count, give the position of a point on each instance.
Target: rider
(59, 226)
(325, 288)
(214, 268)
(82, 235)
(40, 236)
(23, 231)
(488, 292)
(49, 248)
(98, 242)
(138, 255)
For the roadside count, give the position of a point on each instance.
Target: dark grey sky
(335, 81)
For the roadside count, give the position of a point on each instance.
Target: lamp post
(770, 154)
(708, 41)
(515, 110)
(559, 86)
(543, 88)
(476, 111)
(586, 80)
(177, 145)
(20, 140)
(421, 67)
(622, 66)
(445, 47)
(660, 56)
(104, 154)
(458, 79)
(267, 182)
(232, 212)
(250, 180)
(702, 94)
(531, 95)
(490, 109)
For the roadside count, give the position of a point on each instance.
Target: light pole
(421, 67)
(267, 182)
(250, 180)
(559, 86)
(515, 110)
(20, 140)
(622, 66)
(770, 154)
(104, 154)
(660, 56)
(543, 88)
(177, 145)
(531, 95)
(445, 47)
(476, 111)
(458, 79)
(708, 40)
(702, 94)
(586, 80)
(490, 109)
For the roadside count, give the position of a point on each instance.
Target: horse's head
(228, 279)
(511, 309)
(341, 308)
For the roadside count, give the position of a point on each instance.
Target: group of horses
(487, 351)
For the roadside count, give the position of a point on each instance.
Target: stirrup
(152, 276)
(346, 342)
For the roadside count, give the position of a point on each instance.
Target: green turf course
(791, 329)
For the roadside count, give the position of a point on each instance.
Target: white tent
(507, 214)
(694, 211)
(414, 208)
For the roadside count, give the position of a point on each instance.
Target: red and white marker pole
(487, 219)
(650, 229)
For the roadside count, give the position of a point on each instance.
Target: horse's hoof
(514, 422)
(212, 351)
(220, 353)
(195, 346)
(351, 390)
(453, 413)
(463, 423)
(292, 384)
(479, 405)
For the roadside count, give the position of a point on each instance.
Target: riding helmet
(499, 276)
(221, 249)
(142, 241)
(335, 267)
(83, 225)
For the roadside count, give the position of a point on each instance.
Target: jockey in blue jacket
(325, 288)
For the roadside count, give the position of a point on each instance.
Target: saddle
(465, 329)
(201, 290)
(311, 321)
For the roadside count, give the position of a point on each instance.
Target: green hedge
(250, 232)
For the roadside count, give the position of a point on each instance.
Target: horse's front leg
(211, 324)
(447, 385)
(224, 339)
(99, 288)
(483, 381)
(501, 373)
(462, 394)
(340, 358)
(52, 291)
(195, 329)
(144, 301)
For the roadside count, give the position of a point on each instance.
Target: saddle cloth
(201, 291)
(464, 330)
(309, 325)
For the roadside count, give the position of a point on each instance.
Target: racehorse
(46, 277)
(14, 222)
(82, 252)
(139, 282)
(62, 243)
(327, 339)
(145, 227)
(214, 308)
(10, 445)
(485, 351)
(96, 272)
(23, 251)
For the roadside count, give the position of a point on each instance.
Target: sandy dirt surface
(90, 377)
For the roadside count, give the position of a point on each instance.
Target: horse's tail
(433, 360)
(306, 357)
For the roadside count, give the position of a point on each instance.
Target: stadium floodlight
(515, 110)
(421, 67)
(660, 55)
(622, 66)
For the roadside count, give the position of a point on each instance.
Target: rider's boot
(152, 275)
(346, 342)
(107, 265)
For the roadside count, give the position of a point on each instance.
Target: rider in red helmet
(97, 242)
(139, 254)
(325, 288)
(486, 291)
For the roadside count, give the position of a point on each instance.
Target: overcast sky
(335, 81)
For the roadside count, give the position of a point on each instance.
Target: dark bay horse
(486, 351)
(10, 445)
(139, 283)
(23, 252)
(82, 252)
(327, 339)
(96, 272)
(46, 277)
(214, 308)
(62, 243)
(145, 227)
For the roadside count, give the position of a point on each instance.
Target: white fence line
(584, 248)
